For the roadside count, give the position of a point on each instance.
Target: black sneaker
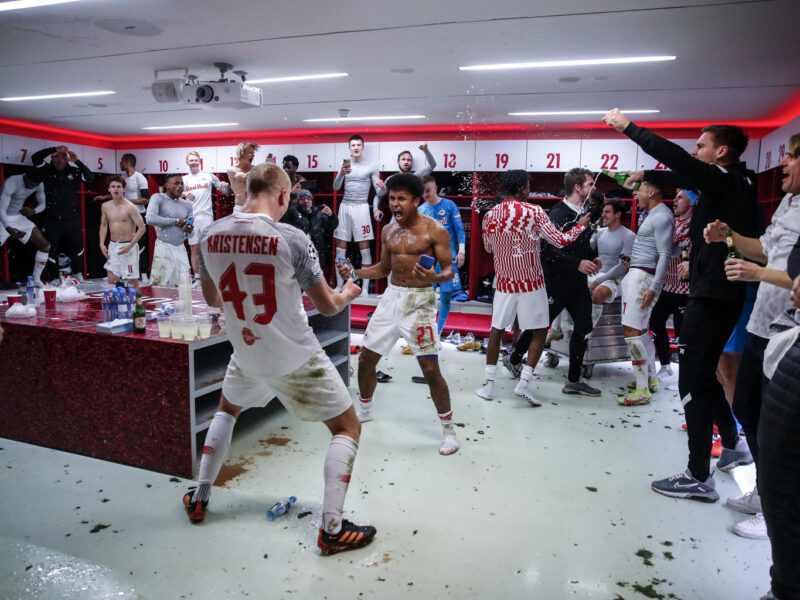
(418, 379)
(515, 370)
(196, 510)
(581, 388)
(350, 537)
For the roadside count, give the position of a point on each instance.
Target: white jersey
(357, 181)
(133, 184)
(259, 267)
(200, 186)
(14, 195)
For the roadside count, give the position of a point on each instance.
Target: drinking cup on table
(176, 327)
(164, 325)
(204, 324)
(13, 299)
(190, 328)
(50, 299)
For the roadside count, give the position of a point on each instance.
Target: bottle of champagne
(684, 258)
(621, 178)
(597, 224)
(139, 317)
(732, 251)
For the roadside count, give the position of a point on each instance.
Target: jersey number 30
(229, 286)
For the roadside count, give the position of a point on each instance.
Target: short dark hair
(573, 177)
(731, 136)
(171, 175)
(513, 181)
(427, 179)
(355, 136)
(129, 158)
(616, 205)
(116, 178)
(406, 182)
(34, 175)
(291, 159)
(405, 152)
(656, 186)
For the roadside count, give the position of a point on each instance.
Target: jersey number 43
(231, 292)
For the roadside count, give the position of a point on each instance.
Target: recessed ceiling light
(567, 63)
(51, 96)
(19, 4)
(387, 118)
(298, 78)
(578, 112)
(198, 126)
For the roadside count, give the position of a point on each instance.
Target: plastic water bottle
(106, 306)
(131, 302)
(280, 508)
(122, 304)
(30, 291)
(113, 305)
(184, 295)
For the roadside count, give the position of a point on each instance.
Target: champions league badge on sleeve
(312, 251)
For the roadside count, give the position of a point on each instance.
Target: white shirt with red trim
(511, 232)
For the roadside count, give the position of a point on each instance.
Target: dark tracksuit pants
(750, 384)
(706, 327)
(668, 304)
(578, 303)
(66, 237)
(779, 473)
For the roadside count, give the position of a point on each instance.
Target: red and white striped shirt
(680, 236)
(511, 231)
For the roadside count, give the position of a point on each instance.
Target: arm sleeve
(214, 181)
(337, 183)
(5, 201)
(697, 174)
(458, 226)
(593, 240)
(141, 183)
(376, 177)
(553, 255)
(306, 265)
(86, 172)
(664, 246)
(379, 193)
(487, 242)
(331, 223)
(41, 200)
(430, 164)
(153, 218)
(553, 235)
(38, 157)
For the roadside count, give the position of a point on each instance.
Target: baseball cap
(303, 194)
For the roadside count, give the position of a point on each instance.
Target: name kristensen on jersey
(242, 244)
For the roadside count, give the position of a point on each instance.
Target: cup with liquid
(164, 324)
(175, 327)
(189, 328)
(204, 324)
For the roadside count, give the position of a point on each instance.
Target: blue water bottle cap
(292, 499)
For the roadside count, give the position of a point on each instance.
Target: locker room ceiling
(736, 60)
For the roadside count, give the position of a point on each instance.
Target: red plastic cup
(50, 299)
(13, 299)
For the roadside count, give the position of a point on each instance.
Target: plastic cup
(50, 299)
(13, 299)
(176, 327)
(204, 324)
(164, 325)
(189, 328)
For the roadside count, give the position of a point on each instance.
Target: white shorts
(18, 222)
(168, 263)
(634, 285)
(355, 222)
(202, 221)
(530, 308)
(406, 312)
(124, 266)
(313, 392)
(611, 284)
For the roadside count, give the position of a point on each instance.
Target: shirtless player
(237, 175)
(408, 307)
(122, 218)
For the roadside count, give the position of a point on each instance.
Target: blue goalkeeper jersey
(446, 212)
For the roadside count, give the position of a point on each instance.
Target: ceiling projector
(207, 94)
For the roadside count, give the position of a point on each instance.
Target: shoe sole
(741, 509)
(487, 398)
(587, 394)
(638, 403)
(328, 550)
(685, 496)
(534, 403)
(198, 514)
(733, 465)
(750, 536)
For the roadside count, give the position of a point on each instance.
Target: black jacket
(560, 265)
(726, 193)
(316, 224)
(793, 268)
(61, 188)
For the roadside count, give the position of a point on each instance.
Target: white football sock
(449, 443)
(639, 361)
(39, 265)
(215, 449)
(338, 467)
(650, 349)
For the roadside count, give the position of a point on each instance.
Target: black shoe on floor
(383, 377)
(418, 379)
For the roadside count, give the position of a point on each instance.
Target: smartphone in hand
(426, 261)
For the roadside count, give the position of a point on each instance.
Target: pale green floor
(510, 515)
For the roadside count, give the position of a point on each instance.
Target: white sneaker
(754, 528)
(196, 284)
(145, 279)
(522, 391)
(483, 393)
(749, 504)
(449, 445)
(664, 371)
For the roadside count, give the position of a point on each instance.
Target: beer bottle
(684, 258)
(597, 224)
(139, 317)
(621, 178)
(732, 251)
